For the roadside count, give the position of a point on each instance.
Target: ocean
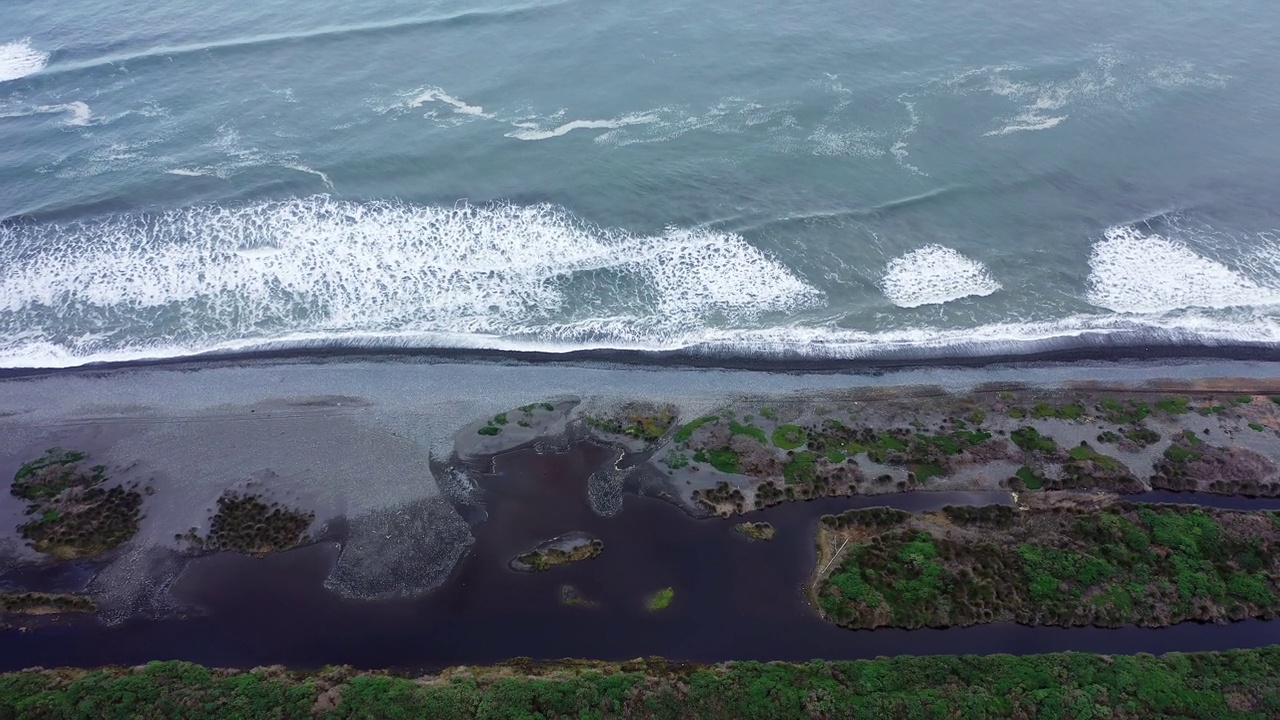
(818, 179)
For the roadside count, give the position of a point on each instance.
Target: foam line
(436, 95)
(533, 132)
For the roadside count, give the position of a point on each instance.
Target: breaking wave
(1137, 271)
(19, 59)
(317, 273)
(323, 268)
(933, 275)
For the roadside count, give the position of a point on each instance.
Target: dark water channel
(734, 599)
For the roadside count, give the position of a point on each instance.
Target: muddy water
(734, 599)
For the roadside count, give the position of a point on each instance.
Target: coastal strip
(1233, 684)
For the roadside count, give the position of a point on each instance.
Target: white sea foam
(19, 59)
(78, 112)
(1107, 79)
(933, 275)
(1026, 122)
(436, 95)
(326, 268)
(237, 156)
(531, 131)
(1142, 272)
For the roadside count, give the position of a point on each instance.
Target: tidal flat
(368, 513)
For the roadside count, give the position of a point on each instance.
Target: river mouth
(733, 599)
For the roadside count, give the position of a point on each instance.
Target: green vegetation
(1030, 439)
(1131, 412)
(749, 430)
(1256, 427)
(789, 437)
(1152, 565)
(1176, 405)
(500, 419)
(1141, 435)
(757, 530)
(722, 459)
(676, 460)
(924, 471)
(247, 524)
(769, 413)
(38, 603)
(1029, 478)
(1070, 411)
(686, 431)
(640, 421)
(801, 469)
(76, 515)
(660, 600)
(489, 430)
(1232, 685)
(1083, 452)
(545, 558)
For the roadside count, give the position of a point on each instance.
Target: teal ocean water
(821, 179)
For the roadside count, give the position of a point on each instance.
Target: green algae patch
(1150, 565)
(789, 437)
(660, 600)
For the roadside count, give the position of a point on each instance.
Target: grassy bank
(1234, 684)
(1112, 565)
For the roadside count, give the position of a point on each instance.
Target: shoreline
(692, 358)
